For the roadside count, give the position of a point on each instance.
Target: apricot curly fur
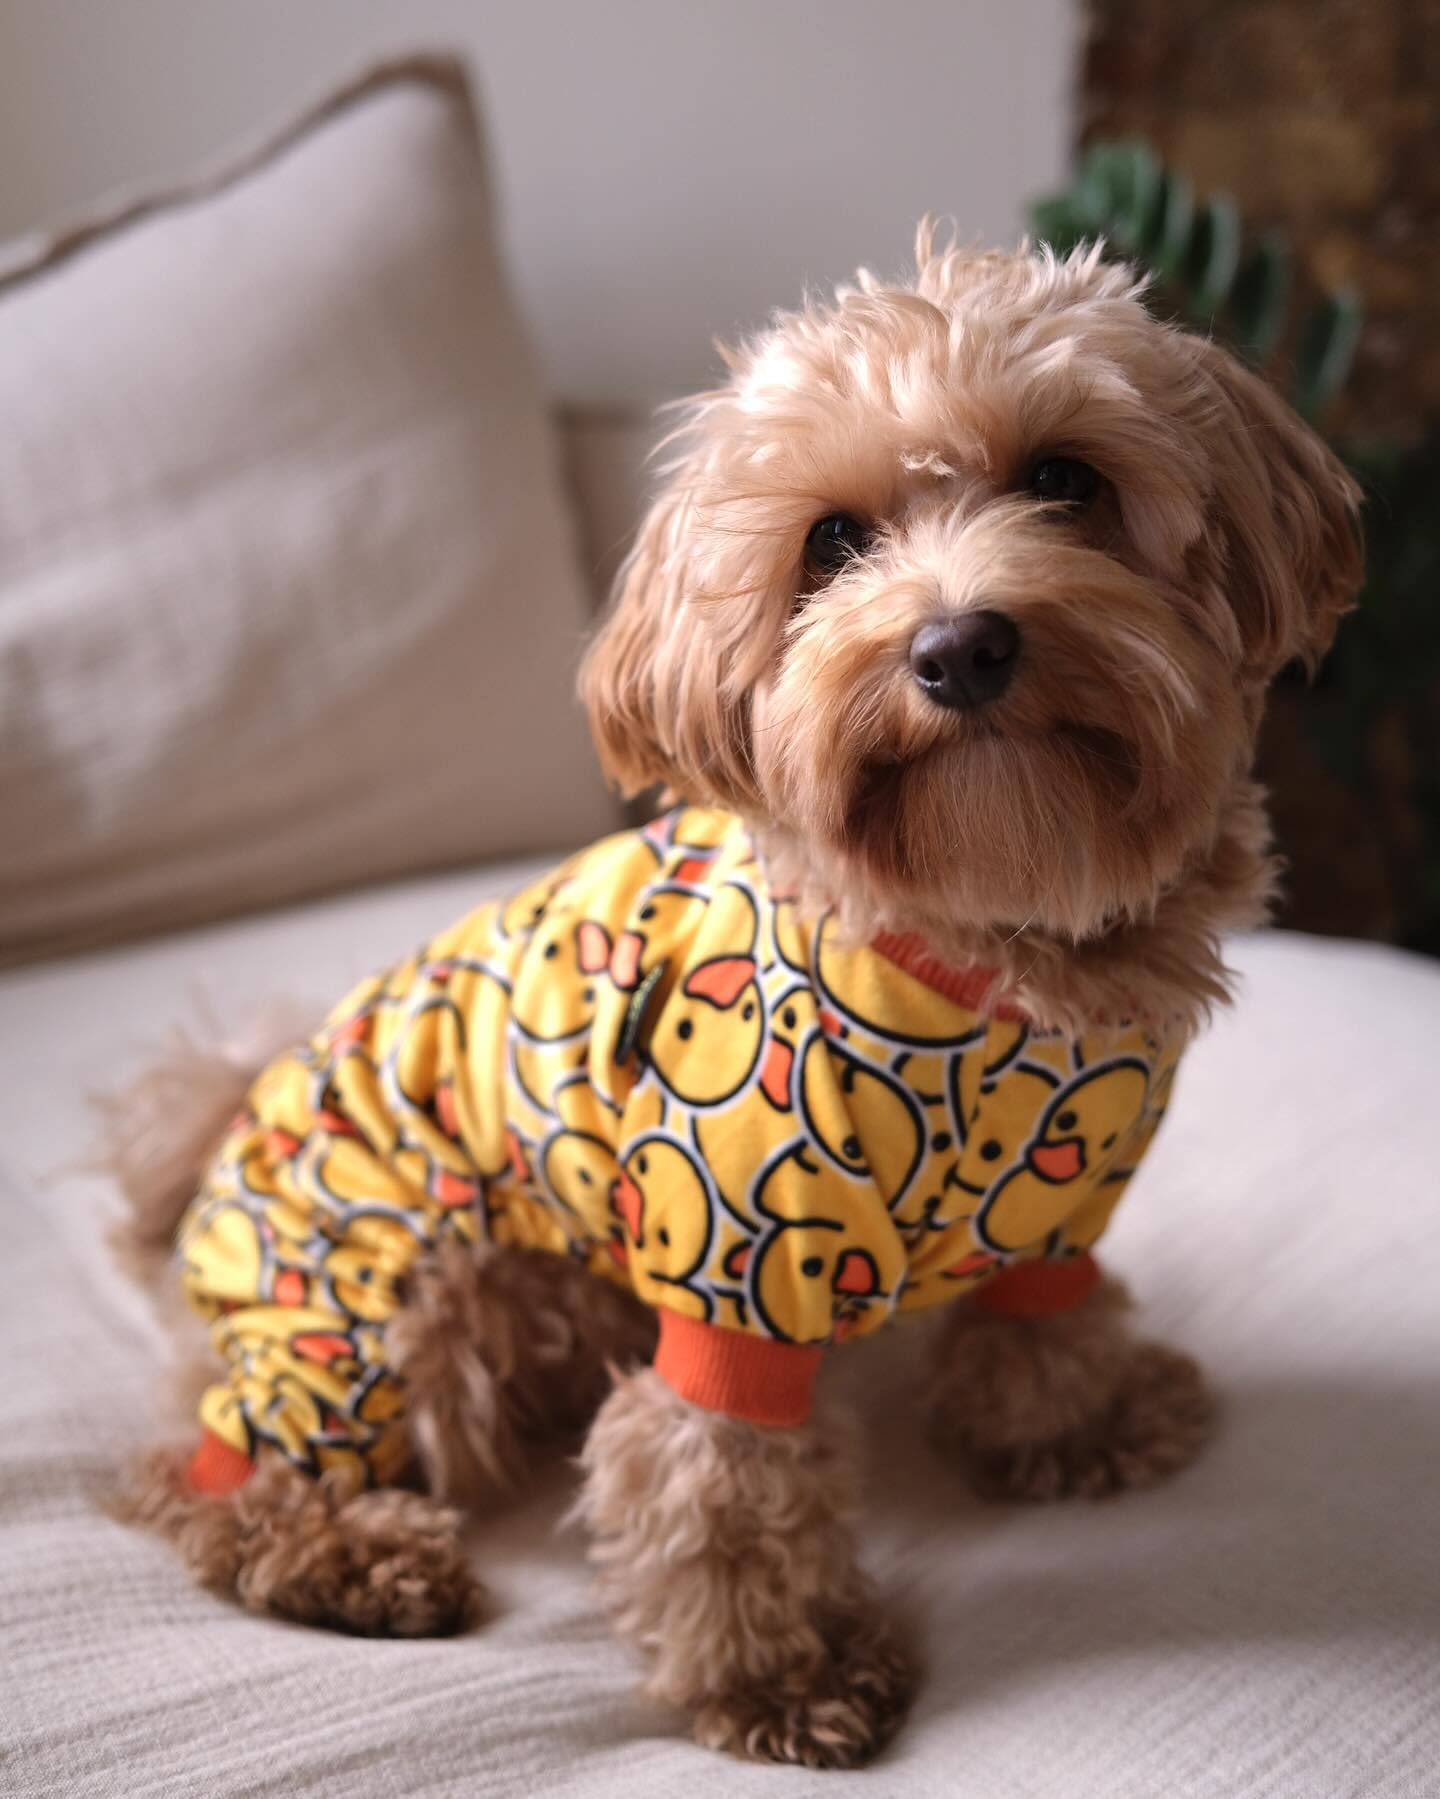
(1046, 1408)
(500, 1348)
(316, 1551)
(156, 1132)
(726, 1554)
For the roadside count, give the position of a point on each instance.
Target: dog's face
(971, 589)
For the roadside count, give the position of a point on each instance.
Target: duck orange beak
(322, 1346)
(519, 1162)
(628, 1203)
(775, 1074)
(446, 1111)
(722, 980)
(453, 1190)
(593, 944)
(290, 1288)
(625, 960)
(975, 1263)
(856, 1274)
(738, 1260)
(1060, 1161)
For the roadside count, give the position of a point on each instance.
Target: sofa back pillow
(289, 595)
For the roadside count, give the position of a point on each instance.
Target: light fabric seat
(1266, 1625)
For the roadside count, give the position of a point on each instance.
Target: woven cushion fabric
(1262, 1627)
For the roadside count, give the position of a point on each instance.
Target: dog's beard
(1066, 806)
(1007, 833)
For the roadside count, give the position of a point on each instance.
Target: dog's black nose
(965, 660)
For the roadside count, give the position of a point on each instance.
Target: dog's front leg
(726, 1555)
(1063, 1402)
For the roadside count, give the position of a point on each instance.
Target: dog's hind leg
(496, 1348)
(500, 1348)
(386, 1563)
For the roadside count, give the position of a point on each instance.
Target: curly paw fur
(838, 1713)
(1156, 1423)
(725, 1554)
(1047, 1408)
(385, 1564)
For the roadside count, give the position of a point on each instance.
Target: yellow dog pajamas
(650, 1063)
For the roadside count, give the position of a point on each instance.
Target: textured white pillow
(289, 597)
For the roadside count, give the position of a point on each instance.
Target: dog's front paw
(838, 1714)
(1156, 1422)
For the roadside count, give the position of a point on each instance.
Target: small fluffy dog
(948, 636)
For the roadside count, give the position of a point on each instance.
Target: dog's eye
(1065, 479)
(834, 541)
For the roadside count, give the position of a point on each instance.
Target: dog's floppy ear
(1289, 516)
(659, 681)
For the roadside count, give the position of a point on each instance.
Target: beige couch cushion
(1264, 1627)
(288, 592)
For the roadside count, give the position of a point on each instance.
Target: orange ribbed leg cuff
(216, 1467)
(1034, 1289)
(729, 1371)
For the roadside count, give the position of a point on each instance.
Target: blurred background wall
(1319, 116)
(669, 171)
(1321, 119)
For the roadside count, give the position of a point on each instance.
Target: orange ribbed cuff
(1034, 1289)
(754, 1378)
(217, 1468)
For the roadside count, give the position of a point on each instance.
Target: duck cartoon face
(828, 1262)
(662, 1204)
(663, 922)
(556, 984)
(221, 1251)
(579, 1170)
(359, 1282)
(860, 1117)
(792, 1021)
(810, 1283)
(1077, 1138)
(738, 1141)
(363, 1269)
(707, 1040)
(999, 1127)
(1087, 1120)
